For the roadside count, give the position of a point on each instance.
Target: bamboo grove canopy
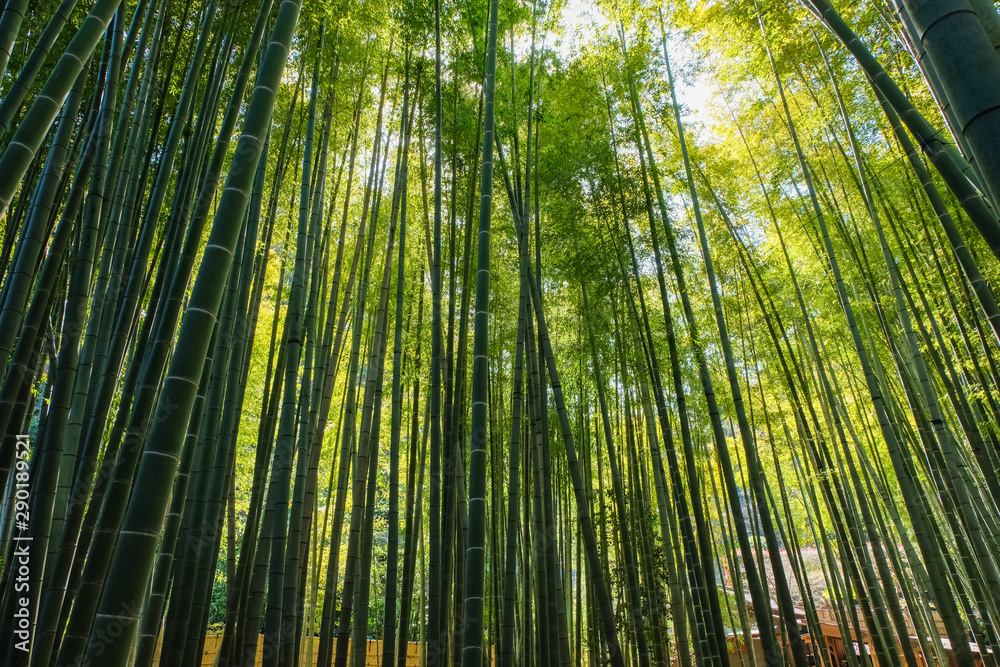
(534, 332)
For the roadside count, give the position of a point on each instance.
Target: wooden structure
(834, 642)
(374, 658)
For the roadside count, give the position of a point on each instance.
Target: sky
(580, 21)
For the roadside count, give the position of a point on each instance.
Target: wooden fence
(374, 658)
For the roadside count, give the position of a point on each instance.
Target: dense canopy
(531, 333)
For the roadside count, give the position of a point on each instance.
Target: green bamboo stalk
(35, 124)
(133, 555)
(475, 558)
(596, 574)
(943, 156)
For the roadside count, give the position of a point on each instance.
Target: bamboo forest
(483, 333)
